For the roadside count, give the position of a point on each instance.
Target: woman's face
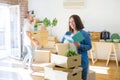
(72, 23)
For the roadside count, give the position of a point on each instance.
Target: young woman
(75, 25)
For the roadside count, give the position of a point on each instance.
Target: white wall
(96, 15)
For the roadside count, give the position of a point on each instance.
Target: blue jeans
(85, 66)
(84, 73)
(29, 56)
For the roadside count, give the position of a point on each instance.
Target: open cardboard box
(52, 72)
(61, 48)
(66, 62)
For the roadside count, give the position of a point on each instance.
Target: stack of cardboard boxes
(63, 68)
(43, 55)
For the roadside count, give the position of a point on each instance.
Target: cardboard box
(91, 75)
(57, 73)
(62, 48)
(48, 72)
(95, 36)
(66, 62)
(42, 56)
(51, 44)
(41, 36)
(51, 38)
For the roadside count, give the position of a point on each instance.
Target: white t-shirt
(27, 27)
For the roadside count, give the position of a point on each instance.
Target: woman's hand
(77, 44)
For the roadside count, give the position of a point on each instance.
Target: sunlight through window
(99, 69)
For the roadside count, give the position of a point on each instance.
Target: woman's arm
(67, 33)
(85, 45)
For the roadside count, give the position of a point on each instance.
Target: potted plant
(36, 22)
(70, 52)
(35, 26)
(48, 23)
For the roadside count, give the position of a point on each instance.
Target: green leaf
(35, 25)
(71, 52)
(47, 22)
(54, 22)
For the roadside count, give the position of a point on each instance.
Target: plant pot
(35, 28)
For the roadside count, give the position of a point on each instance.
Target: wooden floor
(110, 72)
(11, 68)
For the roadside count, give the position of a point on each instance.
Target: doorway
(10, 42)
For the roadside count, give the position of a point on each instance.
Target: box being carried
(41, 36)
(57, 73)
(66, 62)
